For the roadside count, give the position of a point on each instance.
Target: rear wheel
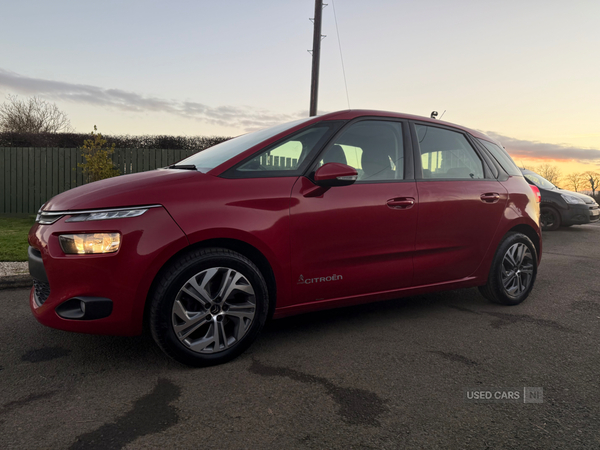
(549, 218)
(209, 307)
(513, 271)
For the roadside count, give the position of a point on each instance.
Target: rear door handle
(401, 203)
(490, 197)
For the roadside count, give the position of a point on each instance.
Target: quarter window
(288, 155)
(503, 158)
(374, 148)
(447, 154)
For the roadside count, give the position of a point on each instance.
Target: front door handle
(490, 197)
(401, 203)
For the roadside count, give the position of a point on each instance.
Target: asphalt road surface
(385, 375)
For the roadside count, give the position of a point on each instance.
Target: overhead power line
(341, 55)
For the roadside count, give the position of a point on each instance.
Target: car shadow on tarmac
(117, 351)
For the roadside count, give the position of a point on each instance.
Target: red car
(346, 208)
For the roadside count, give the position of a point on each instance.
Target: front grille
(594, 216)
(42, 291)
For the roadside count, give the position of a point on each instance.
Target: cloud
(242, 117)
(519, 148)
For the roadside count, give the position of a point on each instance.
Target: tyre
(208, 307)
(549, 218)
(513, 271)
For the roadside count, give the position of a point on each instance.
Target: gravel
(13, 268)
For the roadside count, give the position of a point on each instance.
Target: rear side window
(447, 154)
(503, 158)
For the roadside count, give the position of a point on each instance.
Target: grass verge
(13, 237)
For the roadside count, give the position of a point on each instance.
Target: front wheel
(549, 218)
(208, 307)
(513, 271)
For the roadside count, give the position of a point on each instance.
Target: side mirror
(335, 174)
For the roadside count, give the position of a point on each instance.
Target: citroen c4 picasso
(340, 209)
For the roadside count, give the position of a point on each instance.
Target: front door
(358, 239)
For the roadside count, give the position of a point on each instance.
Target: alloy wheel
(517, 269)
(213, 310)
(547, 219)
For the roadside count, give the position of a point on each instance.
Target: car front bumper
(113, 287)
(580, 214)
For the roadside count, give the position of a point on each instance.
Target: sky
(525, 72)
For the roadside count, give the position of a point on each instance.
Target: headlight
(49, 217)
(80, 244)
(105, 215)
(572, 200)
(43, 218)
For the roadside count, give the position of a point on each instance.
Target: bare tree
(593, 178)
(575, 181)
(549, 172)
(32, 115)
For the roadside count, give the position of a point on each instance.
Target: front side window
(447, 154)
(373, 147)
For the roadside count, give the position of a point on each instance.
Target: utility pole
(316, 58)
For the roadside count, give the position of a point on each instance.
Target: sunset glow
(523, 72)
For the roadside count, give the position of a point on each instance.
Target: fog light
(79, 244)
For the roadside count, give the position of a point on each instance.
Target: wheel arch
(523, 226)
(241, 247)
(553, 206)
(528, 231)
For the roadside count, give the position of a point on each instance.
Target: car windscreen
(538, 180)
(214, 156)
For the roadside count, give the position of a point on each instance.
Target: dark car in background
(560, 207)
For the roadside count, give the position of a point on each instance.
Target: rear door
(460, 204)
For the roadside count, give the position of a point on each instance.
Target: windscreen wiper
(182, 166)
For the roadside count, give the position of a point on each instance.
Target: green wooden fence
(31, 176)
